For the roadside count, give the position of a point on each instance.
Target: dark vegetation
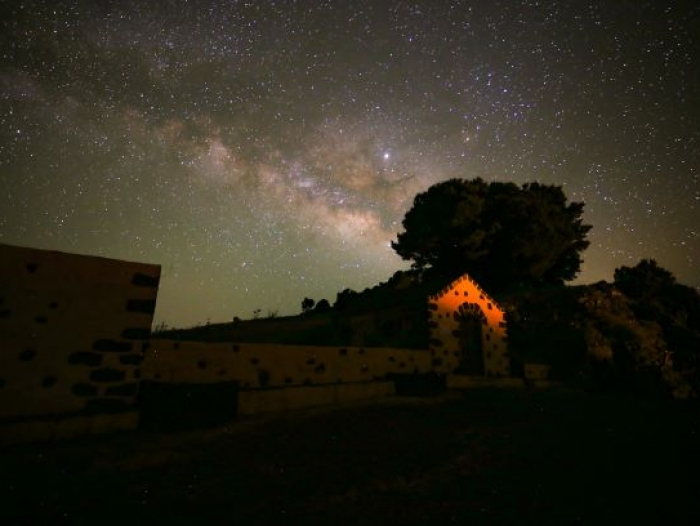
(502, 234)
(639, 334)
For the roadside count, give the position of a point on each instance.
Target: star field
(265, 151)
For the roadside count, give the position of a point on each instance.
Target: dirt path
(482, 457)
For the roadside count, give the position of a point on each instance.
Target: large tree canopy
(499, 233)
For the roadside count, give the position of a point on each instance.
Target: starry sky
(264, 151)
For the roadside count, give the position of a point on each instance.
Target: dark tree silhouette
(322, 306)
(307, 304)
(646, 280)
(500, 233)
(658, 295)
(344, 299)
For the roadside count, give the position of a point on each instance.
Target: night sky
(266, 151)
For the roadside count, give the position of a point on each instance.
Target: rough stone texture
(131, 359)
(136, 333)
(283, 365)
(107, 374)
(106, 405)
(129, 389)
(111, 345)
(84, 389)
(63, 315)
(85, 358)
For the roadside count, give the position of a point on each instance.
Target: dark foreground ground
(479, 457)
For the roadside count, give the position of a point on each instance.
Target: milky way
(267, 151)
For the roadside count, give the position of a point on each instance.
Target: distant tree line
(310, 305)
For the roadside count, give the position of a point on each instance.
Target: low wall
(260, 366)
(269, 377)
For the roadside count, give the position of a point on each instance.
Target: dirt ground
(476, 457)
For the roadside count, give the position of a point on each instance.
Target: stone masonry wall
(278, 377)
(260, 366)
(72, 332)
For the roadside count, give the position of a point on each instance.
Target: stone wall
(260, 366)
(72, 332)
(277, 377)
